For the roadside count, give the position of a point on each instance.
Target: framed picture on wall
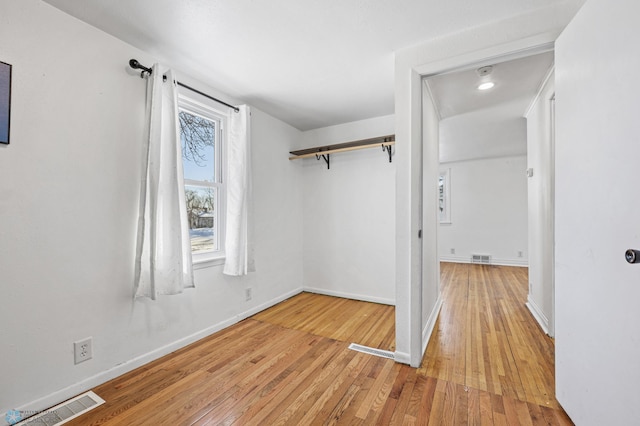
(444, 196)
(5, 102)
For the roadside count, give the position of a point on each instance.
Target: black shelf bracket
(327, 159)
(387, 148)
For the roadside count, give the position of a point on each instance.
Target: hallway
(487, 343)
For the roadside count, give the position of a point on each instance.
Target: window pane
(197, 136)
(202, 208)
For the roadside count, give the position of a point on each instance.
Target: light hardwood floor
(487, 363)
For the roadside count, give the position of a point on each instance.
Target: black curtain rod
(138, 66)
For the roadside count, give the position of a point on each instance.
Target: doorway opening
(488, 162)
(492, 177)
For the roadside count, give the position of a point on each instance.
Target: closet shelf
(325, 151)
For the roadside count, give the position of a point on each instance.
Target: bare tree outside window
(199, 151)
(197, 133)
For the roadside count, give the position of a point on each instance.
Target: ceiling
(516, 83)
(490, 123)
(310, 63)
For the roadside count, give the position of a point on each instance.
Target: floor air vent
(64, 412)
(372, 351)
(481, 258)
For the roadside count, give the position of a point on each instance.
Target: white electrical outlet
(519, 254)
(247, 294)
(83, 350)
(453, 251)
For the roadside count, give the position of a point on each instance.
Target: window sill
(208, 261)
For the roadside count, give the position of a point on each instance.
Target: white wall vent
(61, 413)
(485, 259)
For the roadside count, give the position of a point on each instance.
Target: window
(444, 196)
(202, 139)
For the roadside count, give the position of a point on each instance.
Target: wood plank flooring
(368, 324)
(487, 339)
(486, 364)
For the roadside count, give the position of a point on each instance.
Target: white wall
(540, 189)
(485, 133)
(488, 211)
(349, 215)
(68, 211)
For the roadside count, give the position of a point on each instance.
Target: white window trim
(217, 257)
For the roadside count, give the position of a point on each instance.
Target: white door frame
(409, 316)
(552, 138)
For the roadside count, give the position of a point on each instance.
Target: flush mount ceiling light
(484, 73)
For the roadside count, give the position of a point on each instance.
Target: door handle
(632, 256)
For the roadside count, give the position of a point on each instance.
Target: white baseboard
(402, 357)
(267, 305)
(539, 316)
(431, 323)
(345, 295)
(127, 366)
(494, 261)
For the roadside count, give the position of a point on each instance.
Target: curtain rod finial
(133, 63)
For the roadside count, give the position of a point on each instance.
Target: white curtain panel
(163, 256)
(239, 236)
